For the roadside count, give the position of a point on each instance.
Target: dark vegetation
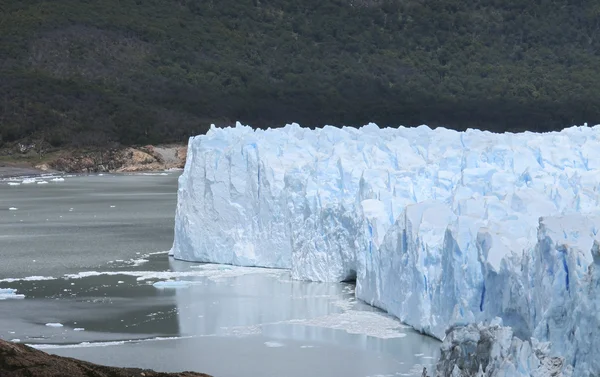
(86, 72)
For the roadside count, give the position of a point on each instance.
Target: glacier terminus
(439, 228)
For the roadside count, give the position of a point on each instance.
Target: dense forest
(87, 72)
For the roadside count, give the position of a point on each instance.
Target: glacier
(439, 228)
(479, 350)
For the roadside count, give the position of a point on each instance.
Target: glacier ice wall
(439, 227)
(479, 350)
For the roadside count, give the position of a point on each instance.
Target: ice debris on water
(172, 284)
(438, 227)
(28, 278)
(54, 324)
(274, 344)
(9, 293)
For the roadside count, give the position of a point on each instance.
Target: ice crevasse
(439, 227)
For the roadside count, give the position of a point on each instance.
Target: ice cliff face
(493, 351)
(440, 228)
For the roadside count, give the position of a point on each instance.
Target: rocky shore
(147, 158)
(23, 161)
(19, 360)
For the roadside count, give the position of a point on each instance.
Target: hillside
(82, 72)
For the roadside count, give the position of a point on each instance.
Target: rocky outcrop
(147, 158)
(19, 360)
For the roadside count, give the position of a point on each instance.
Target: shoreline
(20, 360)
(124, 159)
(8, 171)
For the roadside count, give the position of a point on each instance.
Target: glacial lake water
(88, 253)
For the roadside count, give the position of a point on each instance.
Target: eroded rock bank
(21, 159)
(147, 158)
(19, 360)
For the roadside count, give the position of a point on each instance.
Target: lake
(88, 254)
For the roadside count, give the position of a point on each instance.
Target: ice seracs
(438, 227)
(493, 351)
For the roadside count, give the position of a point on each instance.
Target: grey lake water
(87, 258)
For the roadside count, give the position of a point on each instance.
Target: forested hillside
(84, 72)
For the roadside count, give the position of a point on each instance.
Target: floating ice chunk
(54, 324)
(9, 293)
(42, 182)
(13, 209)
(58, 179)
(78, 329)
(274, 344)
(378, 325)
(138, 262)
(14, 183)
(103, 344)
(28, 278)
(27, 181)
(172, 284)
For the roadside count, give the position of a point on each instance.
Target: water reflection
(277, 310)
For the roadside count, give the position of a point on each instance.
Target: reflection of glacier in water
(267, 305)
(269, 324)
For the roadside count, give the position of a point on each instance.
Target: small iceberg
(273, 344)
(54, 324)
(14, 183)
(171, 284)
(13, 209)
(58, 180)
(9, 293)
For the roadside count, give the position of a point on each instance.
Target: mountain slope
(81, 72)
